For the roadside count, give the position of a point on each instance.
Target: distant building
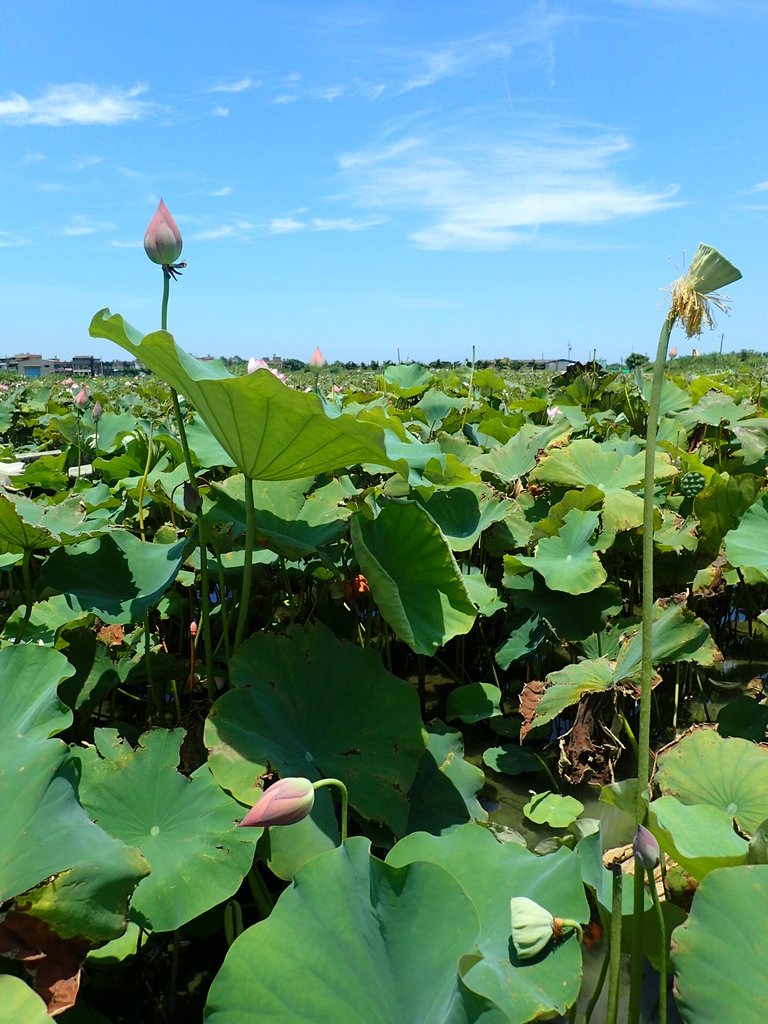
(86, 366)
(32, 364)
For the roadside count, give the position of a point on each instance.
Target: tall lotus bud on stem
(645, 848)
(317, 359)
(81, 399)
(97, 412)
(284, 803)
(694, 293)
(162, 239)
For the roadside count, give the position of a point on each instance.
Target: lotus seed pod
(532, 926)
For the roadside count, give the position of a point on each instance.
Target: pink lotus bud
(645, 848)
(672, 353)
(257, 364)
(97, 412)
(317, 359)
(552, 412)
(284, 803)
(336, 389)
(81, 398)
(162, 241)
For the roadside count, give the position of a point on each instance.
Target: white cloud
(85, 226)
(346, 223)
(10, 241)
(87, 161)
(239, 85)
(284, 98)
(285, 225)
(761, 186)
(76, 103)
(484, 194)
(220, 111)
(127, 245)
(33, 158)
(239, 229)
(225, 190)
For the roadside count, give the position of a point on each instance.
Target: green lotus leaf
(186, 828)
(278, 713)
(569, 562)
(444, 793)
(512, 760)
(463, 513)
(753, 435)
(19, 529)
(406, 379)
(568, 685)
(54, 860)
(571, 617)
(484, 597)
(20, 1004)
(528, 633)
(413, 575)
(699, 837)
(116, 576)
(731, 774)
(552, 809)
(720, 506)
(286, 518)
(28, 692)
(47, 620)
(436, 405)
(713, 409)
(474, 702)
(717, 953)
(677, 636)
(585, 462)
(270, 431)
(518, 456)
(744, 717)
(490, 873)
(379, 945)
(745, 546)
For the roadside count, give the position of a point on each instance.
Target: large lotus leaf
(569, 562)
(713, 409)
(552, 809)
(117, 576)
(186, 828)
(20, 1004)
(413, 575)
(357, 941)
(528, 631)
(745, 546)
(563, 688)
(699, 837)
(753, 435)
(207, 450)
(717, 955)
(29, 680)
(271, 431)
(285, 519)
(47, 620)
(730, 773)
(474, 702)
(677, 636)
(571, 617)
(406, 379)
(444, 792)
(491, 873)
(311, 705)
(586, 462)
(518, 456)
(19, 531)
(436, 405)
(463, 513)
(48, 838)
(720, 506)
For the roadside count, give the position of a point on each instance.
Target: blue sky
(381, 177)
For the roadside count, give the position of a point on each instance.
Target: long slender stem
(344, 801)
(28, 605)
(615, 948)
(245, 593)
(205, 589)
(598, 987)
(662, 948)
(646, 672)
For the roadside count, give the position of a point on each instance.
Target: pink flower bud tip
(81, 398)
(317, 359)
(162, 240)
(284, 803)
(645, 848)
(97, 412)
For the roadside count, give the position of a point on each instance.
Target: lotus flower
(162, 240)
(317, 359)
(552, 412)
(672, 353)
(262, 364)
(645, 848)
(284, 803)
(81, 398)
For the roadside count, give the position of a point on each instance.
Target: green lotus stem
(344, 801)
(614, 948)
(27, 580)
(245, 593)
(261, 894)
(598, 987)
(646, 667)
(205, 589)
(469, 389)
(662, 948)
(143, 484)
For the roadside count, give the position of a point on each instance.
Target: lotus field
(434, 697)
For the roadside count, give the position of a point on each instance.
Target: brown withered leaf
(112, 636)
(53, 962)
(589, 750)
(529, 701)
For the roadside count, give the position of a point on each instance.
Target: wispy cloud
(483, 194)
(33, 158)
(761, 186)
(87, 161)
(238, 85)
(225, 190)
(220, 111)
(76, 103)
(283, 98)
(238, 229)
(346, 223)
(81, 225)
(135, 244)
(285, 225)
(8, 240)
